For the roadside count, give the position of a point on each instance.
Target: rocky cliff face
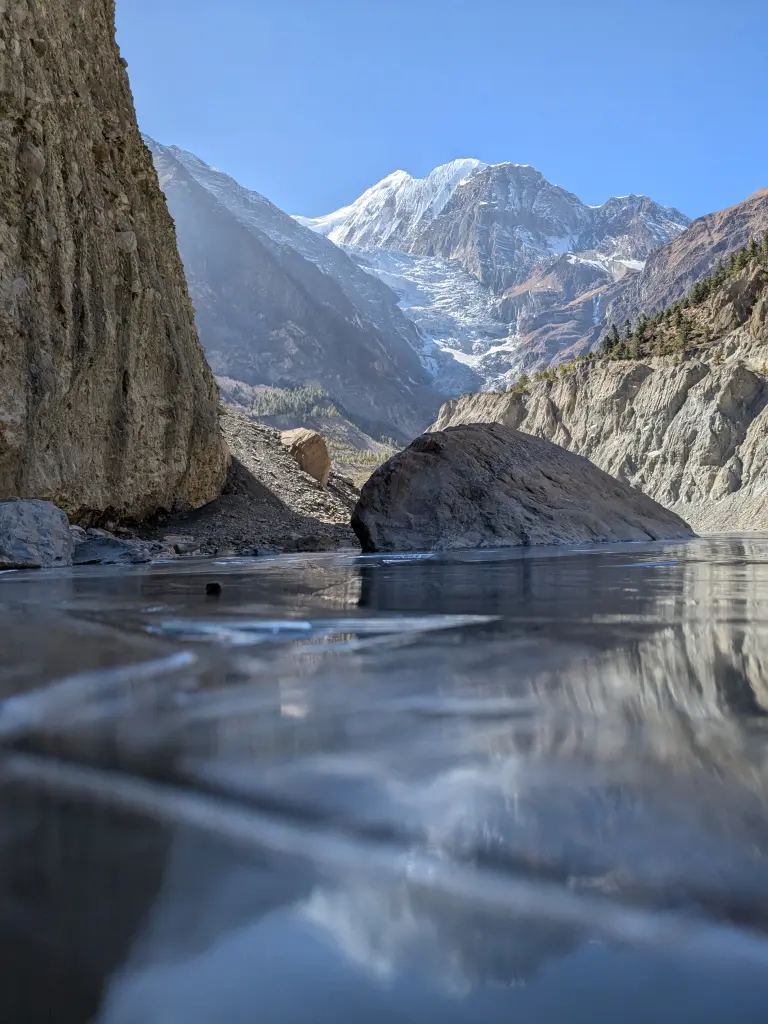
(540, 260)
(106, 403)
(690, 431)
(671, 271)
(279, 305)
(507, 219)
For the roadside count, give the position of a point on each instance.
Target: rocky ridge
(108, 407)
(689, 428)
(671, 271)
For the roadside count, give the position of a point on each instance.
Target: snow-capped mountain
(421, 289)
(505, 269)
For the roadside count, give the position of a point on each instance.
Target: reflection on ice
(256, 631)
(461, 776)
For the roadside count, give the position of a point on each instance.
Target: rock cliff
(689, 429)
(671, 271)
(107, 406)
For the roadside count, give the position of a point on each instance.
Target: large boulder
(34, 535)
(310, 452)
(489, 486)
(107, 406)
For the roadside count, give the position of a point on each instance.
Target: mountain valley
(360, 323)
(428, 288)
(279, 305)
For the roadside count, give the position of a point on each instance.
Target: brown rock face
(106, 402)
(487, 486)
(310, 452)
(672, 271)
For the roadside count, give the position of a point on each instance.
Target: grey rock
(107, 401)
(311, 542)
(111, 551)
(126, 241)
(31, 164)
(488, 486)
(34, 535)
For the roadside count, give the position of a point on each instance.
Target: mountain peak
(464, 165)
(388, 213)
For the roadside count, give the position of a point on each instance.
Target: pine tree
(612, 340)
(683, 334)
(640, 333)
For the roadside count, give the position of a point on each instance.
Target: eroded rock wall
(107, 406)
(693, 436)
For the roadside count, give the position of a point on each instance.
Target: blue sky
(312, 101)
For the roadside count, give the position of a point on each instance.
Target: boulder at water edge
(34, 535)
(488, 486)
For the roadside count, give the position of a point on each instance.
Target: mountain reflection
(457, 769)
